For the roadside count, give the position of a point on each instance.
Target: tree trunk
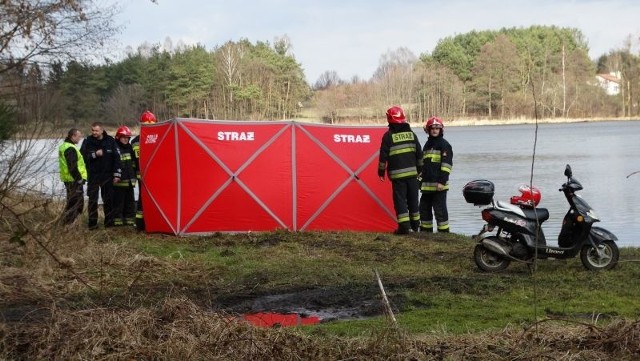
(564, 86)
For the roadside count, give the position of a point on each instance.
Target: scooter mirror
(567, 171)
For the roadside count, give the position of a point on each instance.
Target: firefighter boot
(415, 226)
(403, 228)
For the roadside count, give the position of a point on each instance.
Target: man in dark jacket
(438, 162)
(73, 173)
(401, 157)
(102, 159)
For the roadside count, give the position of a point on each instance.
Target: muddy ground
(328, 304)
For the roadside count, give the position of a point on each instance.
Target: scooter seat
(542, 213)
(528, 213)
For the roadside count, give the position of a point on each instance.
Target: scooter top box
(478, 192)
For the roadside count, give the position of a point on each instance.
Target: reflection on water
(601, 154)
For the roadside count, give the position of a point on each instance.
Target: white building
(610, 82)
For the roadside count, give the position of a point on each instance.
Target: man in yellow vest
(74, 175)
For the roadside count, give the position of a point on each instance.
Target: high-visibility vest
(65, 175)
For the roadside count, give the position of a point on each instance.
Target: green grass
(117, 293)
(432, 282)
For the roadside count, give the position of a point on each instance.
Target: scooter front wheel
(603, 256)
(489, 261)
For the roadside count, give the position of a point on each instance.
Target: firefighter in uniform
(401, 157)
(438, 162)
(124, 207)
(73, 173)
(145, 118)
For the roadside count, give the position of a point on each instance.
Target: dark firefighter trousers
(124, 205)
(434, 203)
(405, 202)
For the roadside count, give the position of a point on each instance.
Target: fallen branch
(385, 300)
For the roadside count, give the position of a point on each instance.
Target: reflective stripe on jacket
(400, 153)
(135, 144)
(127, 162)
(437, 165)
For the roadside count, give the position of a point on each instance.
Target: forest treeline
(534, 72)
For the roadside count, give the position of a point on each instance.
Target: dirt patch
(326, 303)
(337, 303)
(25, 313)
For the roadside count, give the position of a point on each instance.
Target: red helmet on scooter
(529, 197)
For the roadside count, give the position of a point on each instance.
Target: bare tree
(328, 79)
(330, 102)
(34, 31)
(395, 75)
(33, 35)
(229, 59)
(438, 91)
(27, 170)
(579, 71)
(124, 103)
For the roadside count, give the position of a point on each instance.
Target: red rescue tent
(204, 176)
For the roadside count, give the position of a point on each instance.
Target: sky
(350, 36)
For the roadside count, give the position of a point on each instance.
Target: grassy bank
(116, 293)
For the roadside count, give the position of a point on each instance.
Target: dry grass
(75, 301)
(179, 330)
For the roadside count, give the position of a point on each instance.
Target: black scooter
(514, 233)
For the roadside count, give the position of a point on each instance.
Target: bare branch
(56, 30)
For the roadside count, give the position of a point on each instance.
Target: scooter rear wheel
(489, 261)
(605, 256)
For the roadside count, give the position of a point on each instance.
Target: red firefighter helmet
(147, 118)
(433, 122)
(529, 197)
(395, 115)
(123, 131)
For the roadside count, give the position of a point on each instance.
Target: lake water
(601, 155)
